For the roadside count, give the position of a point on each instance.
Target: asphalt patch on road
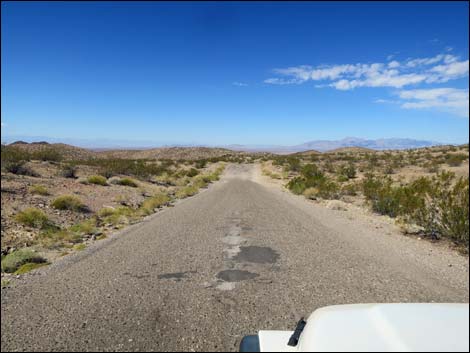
(236, 275)
(177, 276)
(257, 254)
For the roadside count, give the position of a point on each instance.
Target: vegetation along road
(240, 256)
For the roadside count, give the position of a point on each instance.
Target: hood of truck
(378, 327)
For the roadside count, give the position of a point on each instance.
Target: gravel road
(238, 257)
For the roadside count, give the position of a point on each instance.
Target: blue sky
(223, 73)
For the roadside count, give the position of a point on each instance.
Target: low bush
(32, 217)
(97, 180)
(127, 182)
(27, 267)
(68, 171)
(16, 259)
(85, 227)
(58, 238)
(150, 204)
(69, 202)
(349, 171)
(39, 190)
(455, 160)
(187, 191)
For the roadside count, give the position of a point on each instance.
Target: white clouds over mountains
(438, 69)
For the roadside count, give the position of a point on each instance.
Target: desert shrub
(140, 168)
(455, 160)
(13, 154)
(127, 182)
(329, 167)
(58, 238)
(297, 185)
(32, 217)
(349, 189)
(19, 168)
(27, 267)
(16, 259)
(69, 202)
(432, 166)
(68, 171)
(39, 190)
(187, 191)
(201, 163)
(97, 180)
(150, 204)
(389, 169)
(328, 190)
(47, 154)
(116, 216)
(85, 227)
(349, 171)
(342, 178)
(192, 172)
(293, 164)
(382, 196)
(444, 209)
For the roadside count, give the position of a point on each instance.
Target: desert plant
(150, 204)
(69, 202)
(455, 160)
(39, 190)
(32, 217)
(97, 180)
(68, 171)
(127, 182)
(16, 259)
(349, 171)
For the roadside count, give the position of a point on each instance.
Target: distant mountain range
(328, 145)
(317, 145)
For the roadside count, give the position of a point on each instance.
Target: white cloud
(451, 100)
(239, 84)
(439, 68)
(411, 72)
(449, 71)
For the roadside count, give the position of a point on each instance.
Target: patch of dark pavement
(177, 276)
(236, 275)
(257, 254)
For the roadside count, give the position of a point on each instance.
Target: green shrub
(27, 267)
(19, 168)
(192, 172)
(32, 217)
(58, 238)
(297, 185)
(127, 182)
(16, 259)
(455, 160)
(69, 171)
(97, 180)
(199, 164)
(349, 189)
(85, 227)
(150, 204)
(47, 154)
(69, 202)
(39, 190)
(349, 171)
(187, 191)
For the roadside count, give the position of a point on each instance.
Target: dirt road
(238, 257)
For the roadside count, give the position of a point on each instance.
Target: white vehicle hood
(378, 327)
